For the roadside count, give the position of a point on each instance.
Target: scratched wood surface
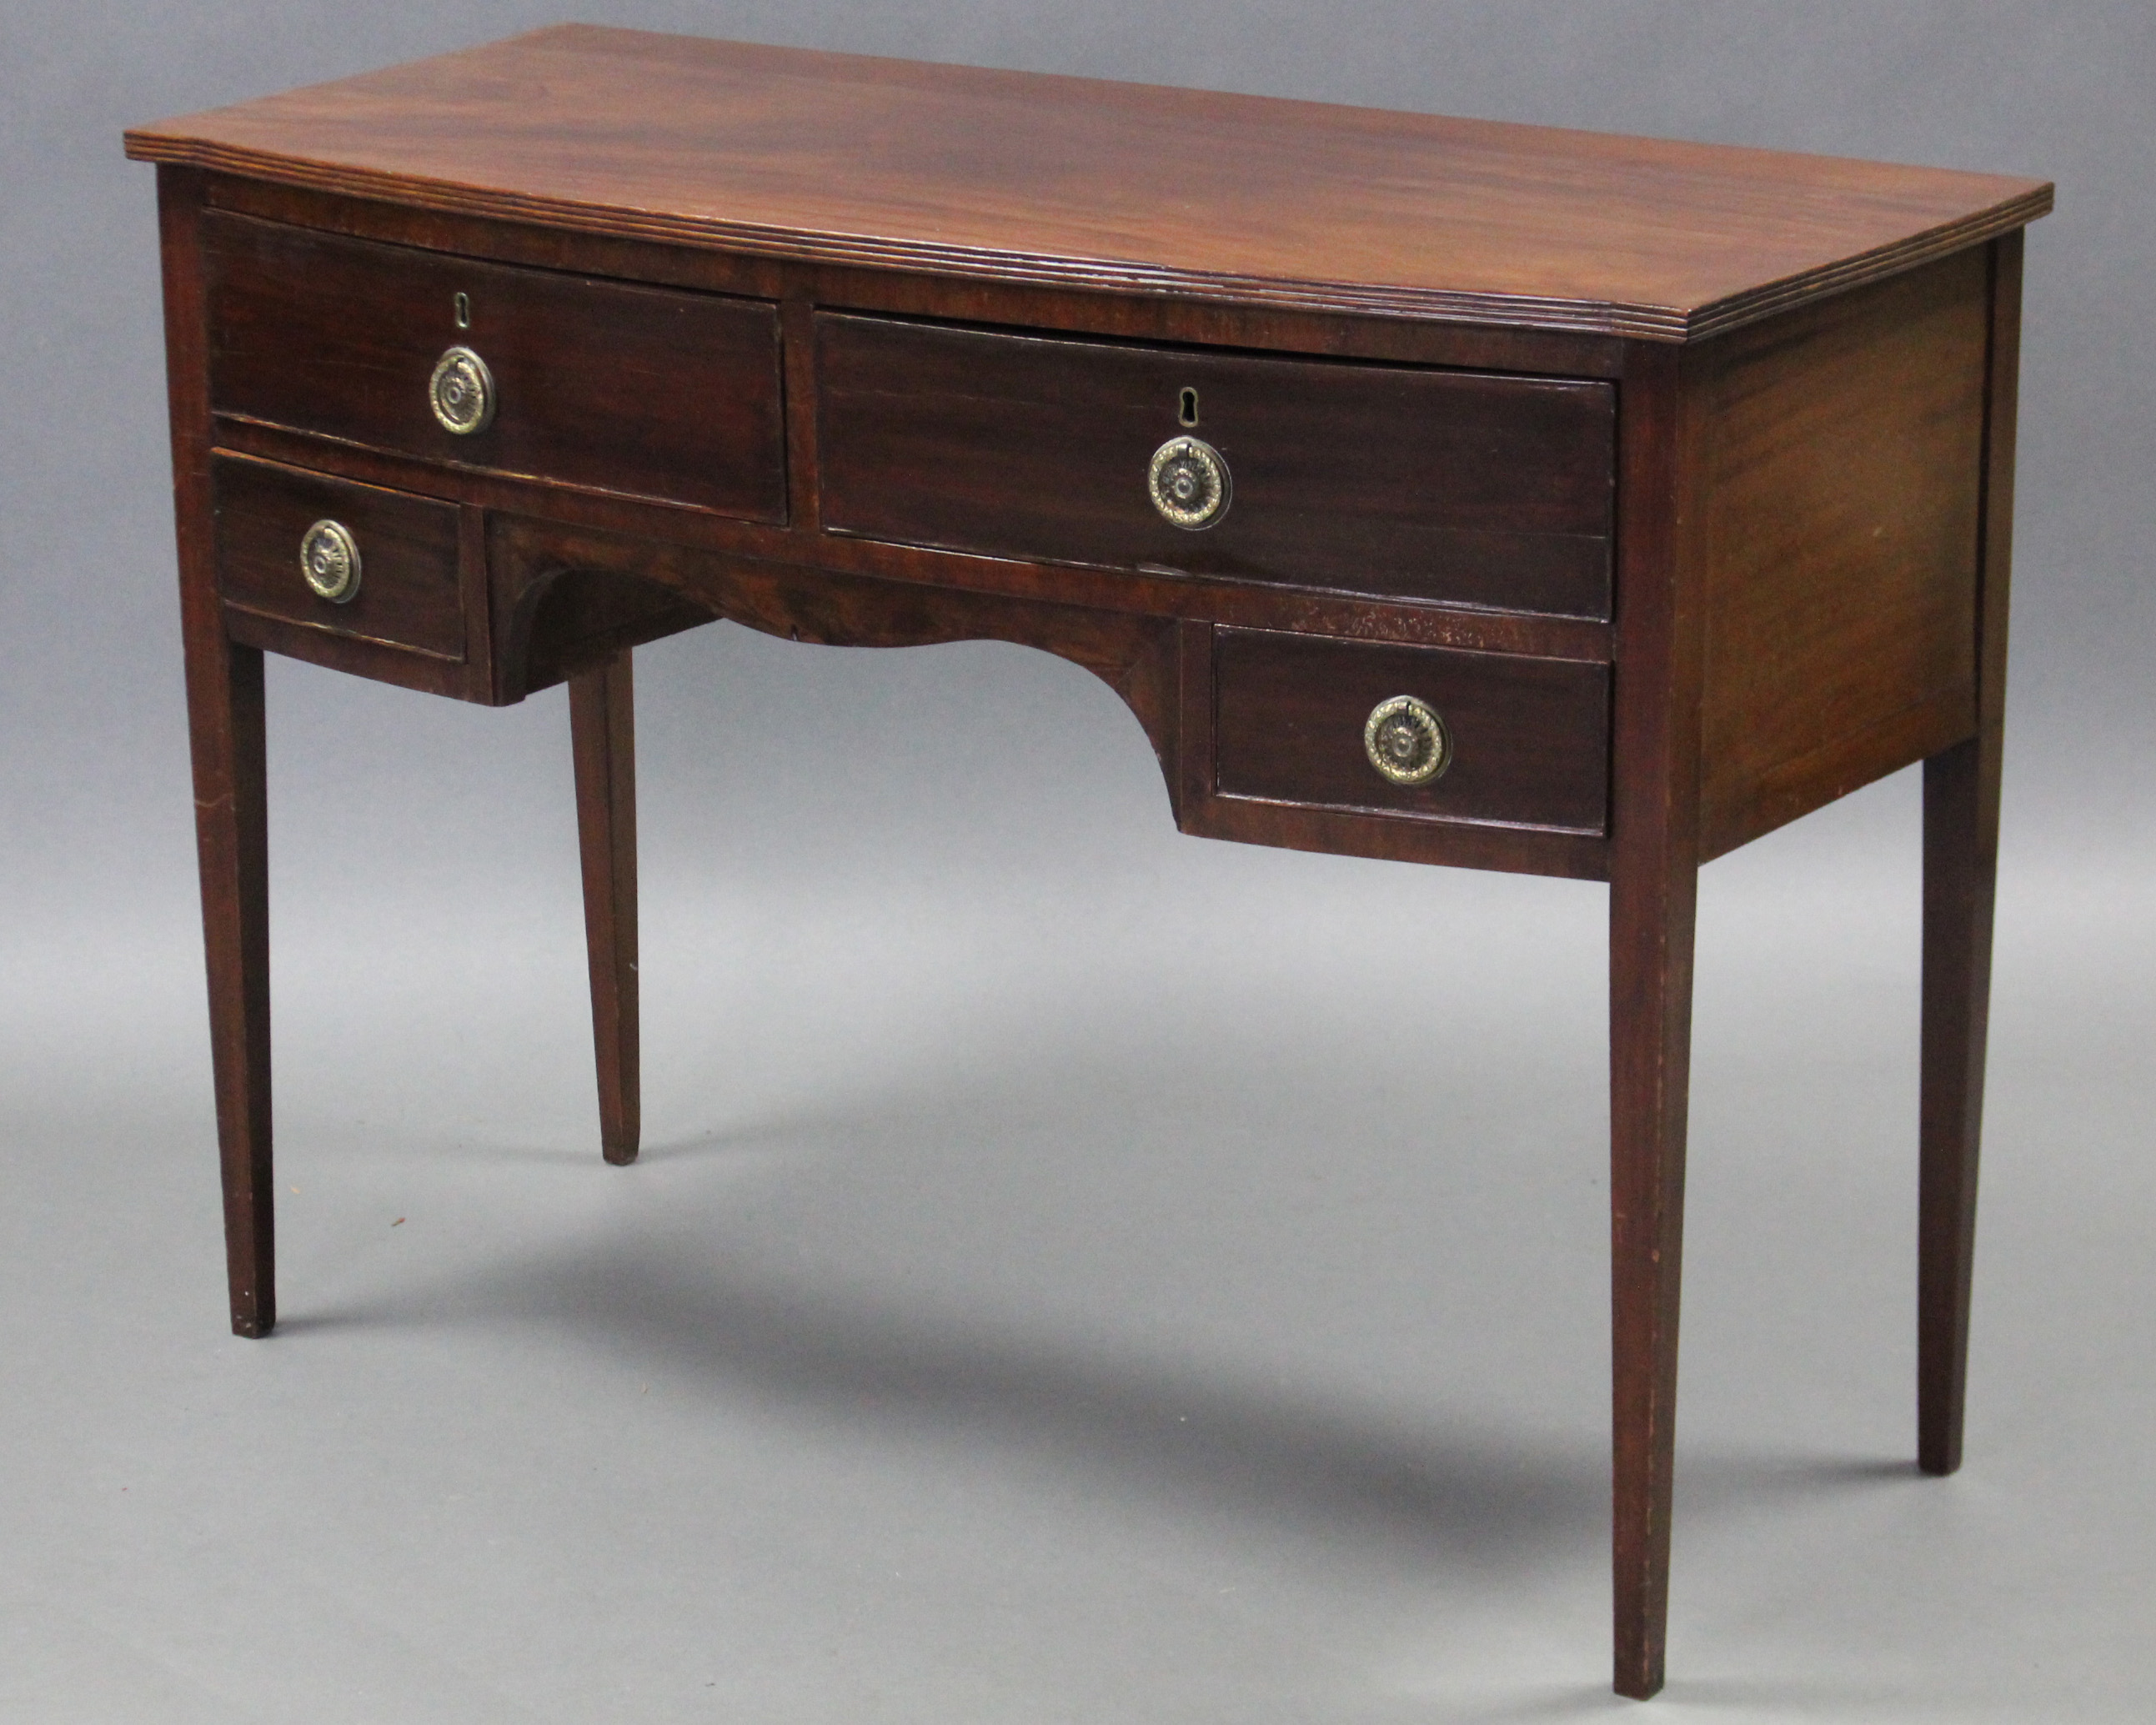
(1024, 178)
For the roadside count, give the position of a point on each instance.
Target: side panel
(1841, 464)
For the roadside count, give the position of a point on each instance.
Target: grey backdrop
(1076, 1272)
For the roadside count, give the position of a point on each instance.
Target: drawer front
(1361, 479)
(409, 594)
(1529, 738)
(647, 392)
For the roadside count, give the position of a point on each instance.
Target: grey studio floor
(1076, 1272)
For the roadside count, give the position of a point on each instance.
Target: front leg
(225, 725)
(1961, 866)
(1651, 916)
(225, 743)
(602, 738)
(1961, 878)
(1654, 883)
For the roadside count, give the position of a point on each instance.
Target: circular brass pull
(329, 559)
(1407, 741)
(1189, 483)
(461, 392)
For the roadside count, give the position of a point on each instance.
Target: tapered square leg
(1961, 875)
(225, 713)
(1650, 949)
(1961, 867)
(1654, 880)
(225, 741)
(602, 732)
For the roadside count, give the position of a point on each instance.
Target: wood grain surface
(1961, 884)
(642, 391)
(1676, 477)
(1023, 178)
(410, 594)
(1530, 736)
(1374, 480)
(603, 746)
(1654, 891)
(1243, 603)
(925, 294)
(1840, 484)
(228, 744)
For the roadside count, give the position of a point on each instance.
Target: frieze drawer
(648, 392)
(1396, 482)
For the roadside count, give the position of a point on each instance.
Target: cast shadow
(1387, 1472)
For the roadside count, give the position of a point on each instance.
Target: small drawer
(1381, 480)
(646, 391)
(403, 589)
(1526, 740)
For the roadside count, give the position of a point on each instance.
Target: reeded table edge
(1654, 323)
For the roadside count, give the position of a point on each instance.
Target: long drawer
(1384, 480)
(648, 391)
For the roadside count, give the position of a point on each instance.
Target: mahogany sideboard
(1433, 489)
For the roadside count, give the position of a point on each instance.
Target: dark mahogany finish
(1015, 177)
(618, 388)
(1677, 479)
(1840, 491)
(1530, 736)
(603, 739)
(410, 595)
(1961, 876)
(1361, 479)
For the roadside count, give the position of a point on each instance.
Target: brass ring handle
(329, 560)
(462, 393)
(1407, 741)
(1189, 483)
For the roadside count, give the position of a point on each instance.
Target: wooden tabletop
(1078, 183)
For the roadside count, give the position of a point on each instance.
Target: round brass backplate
(1189, 483)
(1407, 741)
(461, 392)
(329, 560)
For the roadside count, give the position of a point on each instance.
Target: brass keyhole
(1187, 408)
(464, 312)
